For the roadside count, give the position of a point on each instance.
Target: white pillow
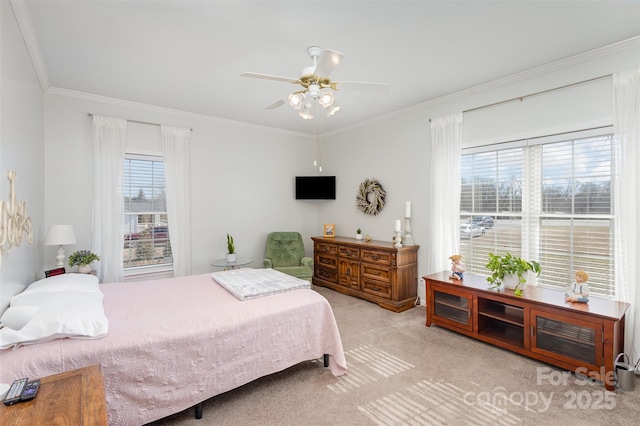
(64, 282)
(60, 314)
(15, 317)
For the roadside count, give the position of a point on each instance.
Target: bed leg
(325, 357)
(198, 408)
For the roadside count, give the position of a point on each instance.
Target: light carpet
(404, 373)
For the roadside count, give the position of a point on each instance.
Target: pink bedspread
(176, 342)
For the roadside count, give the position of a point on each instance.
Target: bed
(174, 343)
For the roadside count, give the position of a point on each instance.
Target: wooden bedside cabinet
(71, 398)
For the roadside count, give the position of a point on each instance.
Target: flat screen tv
(315, 187)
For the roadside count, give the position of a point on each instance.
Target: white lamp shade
(332, 110)
(296, 100)
(306, 114)
(60, 235)
(326, 98)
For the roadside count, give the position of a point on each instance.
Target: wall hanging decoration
(14, 223)
(370, 198)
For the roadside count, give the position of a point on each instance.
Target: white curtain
(444, 192)
(109, 145)
(626, 131)
(175, 143)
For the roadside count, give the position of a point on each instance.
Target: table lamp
(59, 235)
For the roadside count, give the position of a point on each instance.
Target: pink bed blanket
(176, 342)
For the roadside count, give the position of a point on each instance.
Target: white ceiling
(188, 55)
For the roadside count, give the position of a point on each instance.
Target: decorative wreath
(370, 198)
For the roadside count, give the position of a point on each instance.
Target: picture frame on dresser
(329, 230)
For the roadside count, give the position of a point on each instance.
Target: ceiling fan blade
(363, 86)
(268, 77)
(276, 104)
(328, 62)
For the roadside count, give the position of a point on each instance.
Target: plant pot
(232, 257)
(84, 269)
(358, 236)
(511, 282)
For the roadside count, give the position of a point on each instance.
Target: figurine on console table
(457, 267)
(579, 291)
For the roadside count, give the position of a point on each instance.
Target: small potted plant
(510, 271)
(358, 234)
(231, 249)
(83, 259)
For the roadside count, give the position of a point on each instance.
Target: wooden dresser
(70, 398)
(579, 337)
(375, 271)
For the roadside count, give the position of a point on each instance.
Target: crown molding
(169, 111)
(23, 18)
(631, 43)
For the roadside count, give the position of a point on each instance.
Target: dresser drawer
(350, 252)
(378, 257)
(325, 248)
(377, 288)
(375, 272)
(330, 275)
(326, 261)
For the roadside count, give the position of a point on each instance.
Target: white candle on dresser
(407, 209)
(398, 228)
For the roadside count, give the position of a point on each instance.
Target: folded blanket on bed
(249, 283)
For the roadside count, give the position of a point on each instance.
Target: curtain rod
(137, 121)
(520, 98)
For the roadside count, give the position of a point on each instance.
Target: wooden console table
(375, 271)
(579, 337)
(70, 398)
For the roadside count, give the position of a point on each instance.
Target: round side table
(222, 263)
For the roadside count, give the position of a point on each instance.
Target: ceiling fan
(317, 87)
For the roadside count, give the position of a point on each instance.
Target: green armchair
(284, 252)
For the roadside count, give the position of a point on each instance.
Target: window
(546, 199)
(146, 229)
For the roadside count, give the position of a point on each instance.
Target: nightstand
(71, 398)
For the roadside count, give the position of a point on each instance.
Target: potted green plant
(82, 259)
(510, 270)
(358, 234)
(231, 249)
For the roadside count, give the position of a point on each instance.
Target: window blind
(550, 201)
(145, 219)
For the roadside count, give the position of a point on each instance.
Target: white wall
(242, 176)
(394, 149)
(21, 149)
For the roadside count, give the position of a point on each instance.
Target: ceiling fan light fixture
(317, 86)
(296, 100)
(326, 98)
